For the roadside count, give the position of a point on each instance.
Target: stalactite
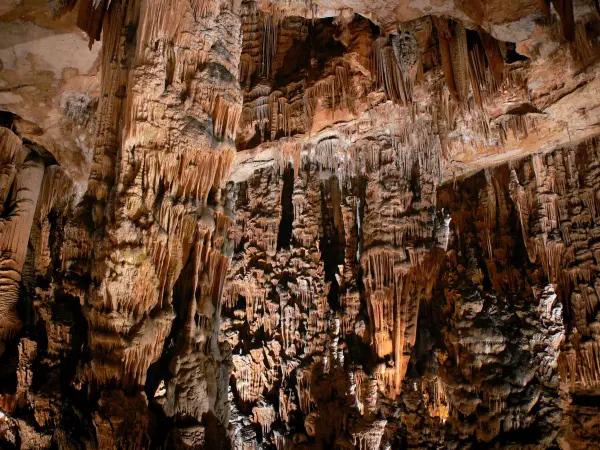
(272, 112)
(335, 88)
(327, 154)
(370, 437)
(90, 18)
(494, 56)
(250, 53)
(388, 75)
(269, 42)
(460, 61)
(445, 40)
(56, 187)
(477, 73)
(303, 380)
(580, 367)
(564, 8)
(264, 415)
(290, 152)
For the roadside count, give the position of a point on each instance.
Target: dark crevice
(586, 400)
(284, 236)
(332, 243)
(6, 119)
(512, 55)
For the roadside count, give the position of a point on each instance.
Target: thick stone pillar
(23, 183)
(163, 252)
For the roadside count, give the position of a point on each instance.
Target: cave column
(23, 182)
(164, 252)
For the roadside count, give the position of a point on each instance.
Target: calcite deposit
(299, 224)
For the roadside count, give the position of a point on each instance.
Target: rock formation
(299, 224)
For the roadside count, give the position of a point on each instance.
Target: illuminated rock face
(137, 264)
(280, 224)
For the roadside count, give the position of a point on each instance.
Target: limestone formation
(293, 224)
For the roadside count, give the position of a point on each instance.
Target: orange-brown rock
(265, 224)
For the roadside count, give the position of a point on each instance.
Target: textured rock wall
(404, 255)
(488, 99)
(444, 323)
(141, 259)
(471, 325)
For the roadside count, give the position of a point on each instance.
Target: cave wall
(304, 231)
(455, 315)
(137, 258)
